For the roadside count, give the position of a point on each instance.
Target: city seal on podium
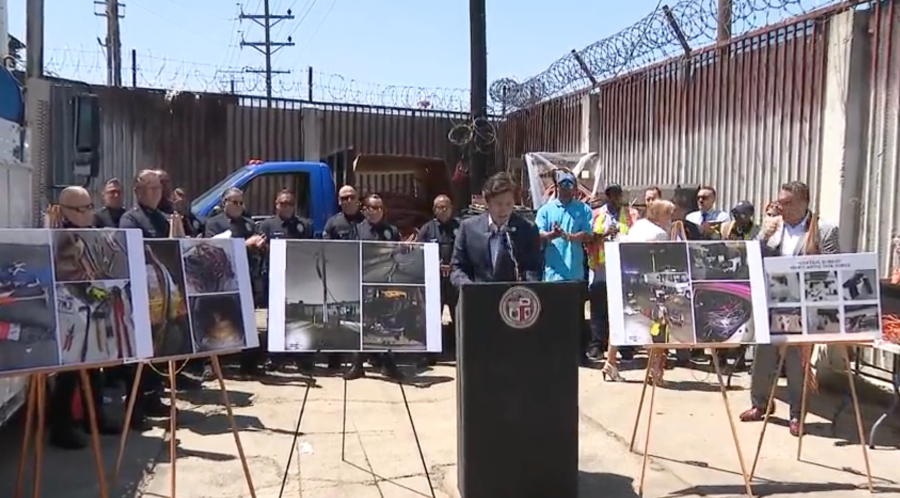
(520, 307)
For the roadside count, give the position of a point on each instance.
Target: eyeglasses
(234, 202)
(347, 198)
(702, 197)
(284, 203)
(80, 209)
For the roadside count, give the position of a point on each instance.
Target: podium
(518, 347)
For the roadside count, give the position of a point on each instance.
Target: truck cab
(311, 182)
(407, 184)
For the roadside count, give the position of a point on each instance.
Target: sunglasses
(347, 198)
(81, 209)
(702, 197)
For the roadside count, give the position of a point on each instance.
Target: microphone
(512, 253)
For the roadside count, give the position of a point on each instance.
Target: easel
(782, 353)
(657, 352)
(35, 411)
(412, 424)
(173, 418)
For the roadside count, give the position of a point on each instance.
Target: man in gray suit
(498, 245)
(787, 233)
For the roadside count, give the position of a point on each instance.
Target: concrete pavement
(691, 447)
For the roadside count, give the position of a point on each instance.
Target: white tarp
(541, 165)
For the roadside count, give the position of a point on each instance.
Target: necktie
(504, 267)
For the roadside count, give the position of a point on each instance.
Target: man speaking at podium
(498, 245)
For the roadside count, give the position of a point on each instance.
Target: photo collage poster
(200, 299)
(690, 293)
(352, 296)
(71, 298)
(824, 298)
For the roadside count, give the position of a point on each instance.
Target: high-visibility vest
(596, 254)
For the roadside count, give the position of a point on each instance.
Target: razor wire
(649, 40)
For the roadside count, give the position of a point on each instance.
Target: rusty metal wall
(880, 195)
(553, 126)
(743, 118)
(388, 130)
(881, 176)
(201, 138)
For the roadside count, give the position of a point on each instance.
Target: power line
(267, 47)
(319, 26)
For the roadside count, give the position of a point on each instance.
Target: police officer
(741, 226)
(375, 228)
(234, 221)
(344, 226)
(443, 229)
(287, 225)
(154, 224)
(112, 211)
(76, 209)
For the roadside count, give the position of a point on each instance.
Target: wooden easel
(35, 409)
(659, 350)
(173, 418)
(804, 403)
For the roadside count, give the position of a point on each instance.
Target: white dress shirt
(792, 236)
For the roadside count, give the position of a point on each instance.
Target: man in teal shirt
(565, 225)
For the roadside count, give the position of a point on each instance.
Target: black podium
(518, 348)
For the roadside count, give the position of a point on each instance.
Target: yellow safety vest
(596, 253)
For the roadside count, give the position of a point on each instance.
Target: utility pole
(479, 153)
(113, 40)
(267, 47)
(34, 39)
(723, 24)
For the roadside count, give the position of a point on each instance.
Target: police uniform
(444, 234)
(291, 228)
(153, 223)
(108, 217)
(343, 226)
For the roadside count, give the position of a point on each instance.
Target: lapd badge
(520, 307)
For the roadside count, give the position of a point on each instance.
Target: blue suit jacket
(471, 261)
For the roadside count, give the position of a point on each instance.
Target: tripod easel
(344, 434)
(171, 373)
(657, 352)
(804, 403)
(35, 411)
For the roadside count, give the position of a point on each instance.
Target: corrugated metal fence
(201, 138)
(880, 196)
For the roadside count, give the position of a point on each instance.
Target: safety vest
(596, 254)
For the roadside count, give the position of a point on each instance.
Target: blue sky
(186, 43)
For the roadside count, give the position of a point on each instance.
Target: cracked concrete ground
(691, 446)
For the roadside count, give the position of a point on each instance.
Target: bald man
(77, 211)
(76, 207)
(442, 230)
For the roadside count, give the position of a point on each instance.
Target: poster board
(694, 293)
(200, 300)
(352, 296)
(71, 298)
(824, 298)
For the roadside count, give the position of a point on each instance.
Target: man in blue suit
(498, 245)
